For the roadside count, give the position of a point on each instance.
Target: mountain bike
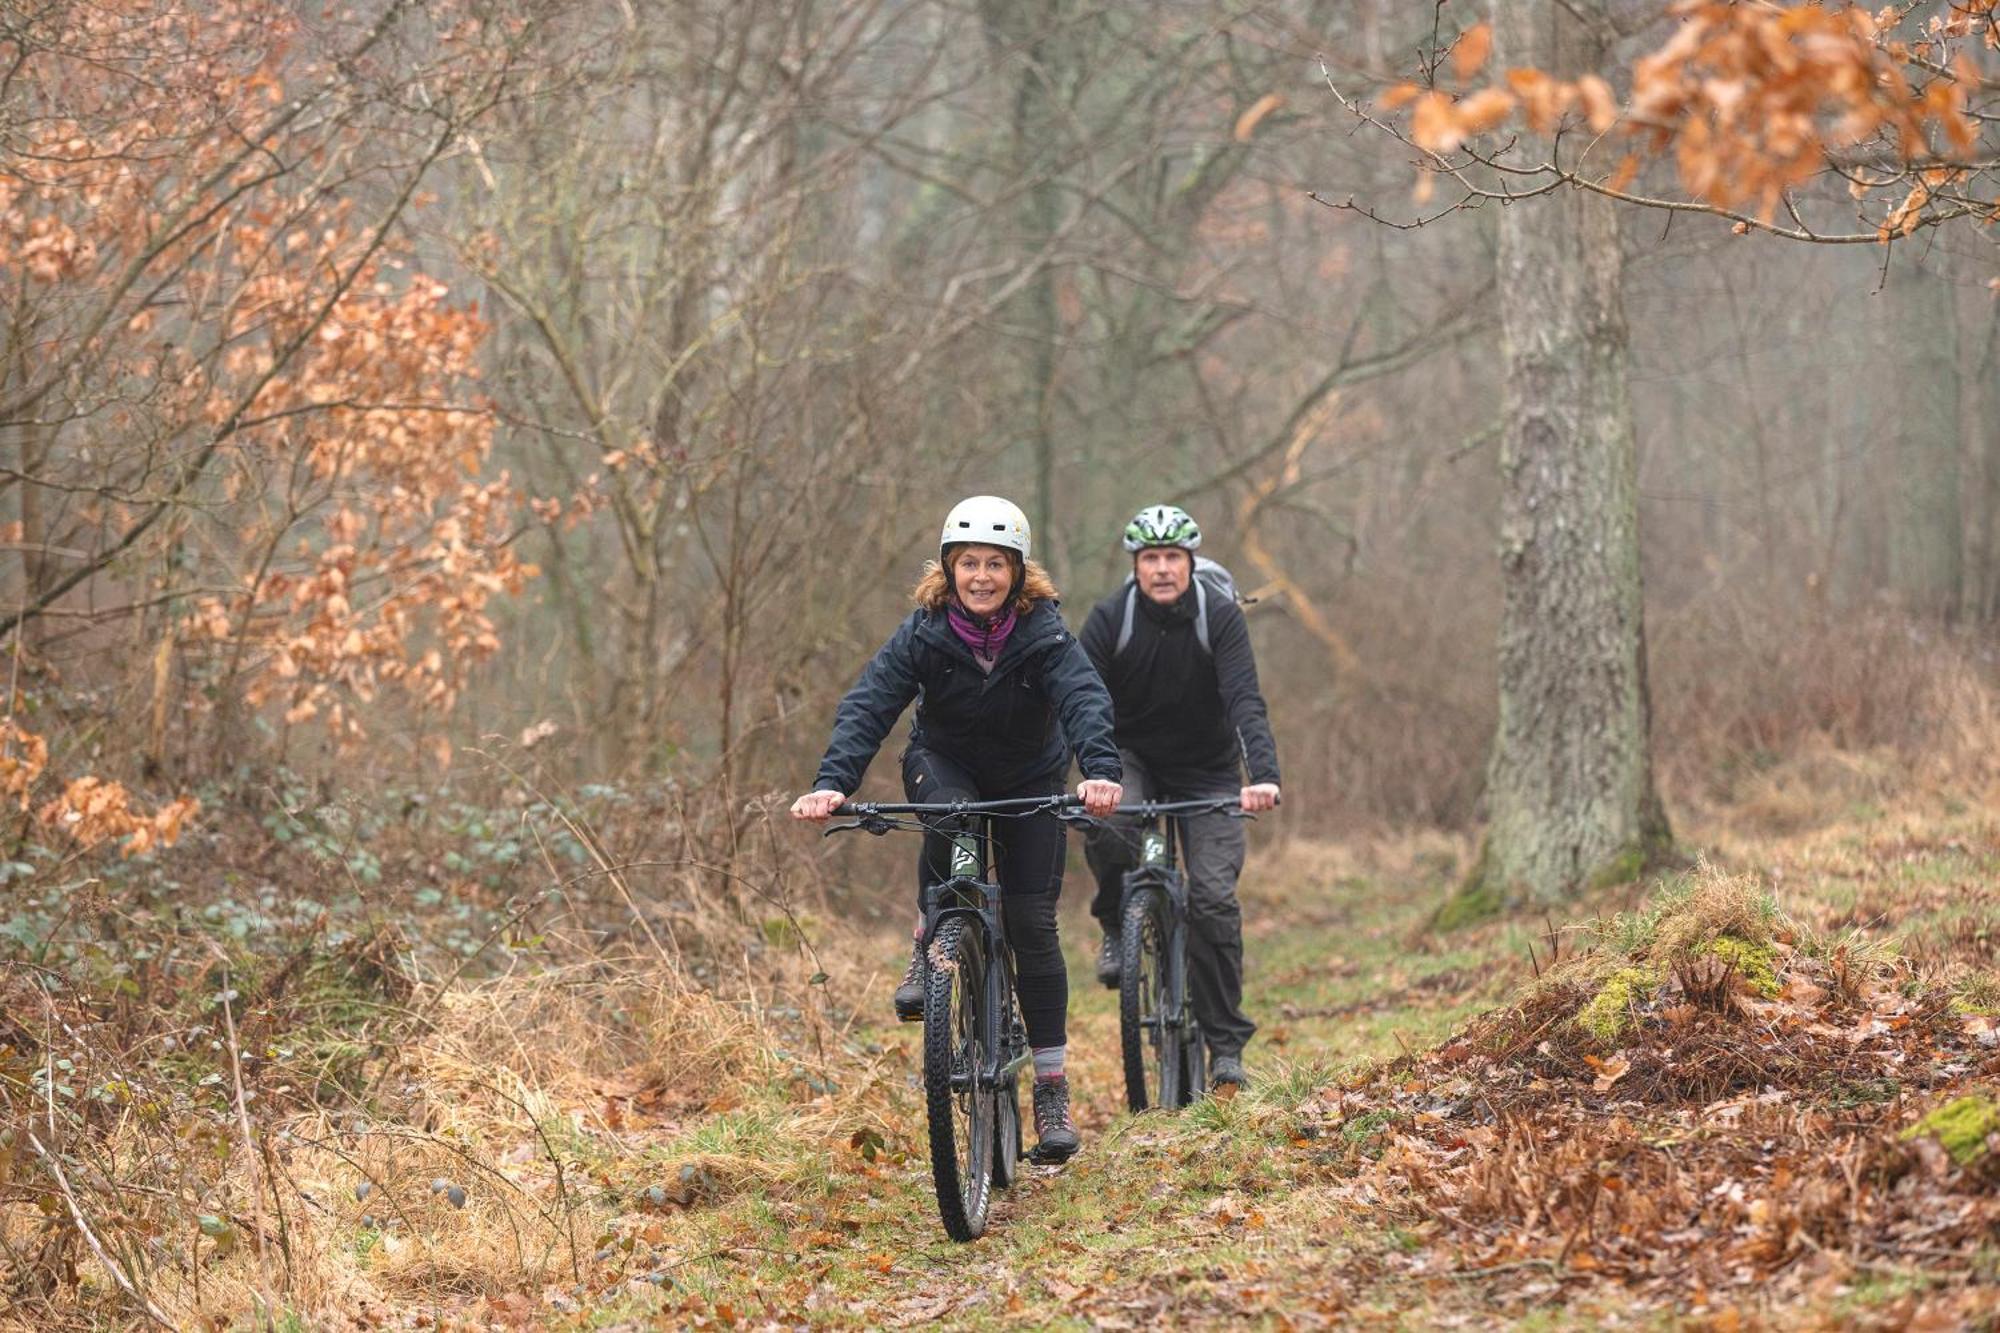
(975, 1045)
(1166, 1060)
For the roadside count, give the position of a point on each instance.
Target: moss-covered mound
(1621, 1115)
(1708, 940)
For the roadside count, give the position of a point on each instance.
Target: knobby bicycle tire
(1143, 1035)
(957, 1033)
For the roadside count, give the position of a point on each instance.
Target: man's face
(1163, 572)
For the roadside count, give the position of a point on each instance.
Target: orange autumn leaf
(1434, 125)
(1600, 108)
(1475, 44)
(1484, 109)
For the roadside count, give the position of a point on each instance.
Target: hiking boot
(1055, 1131)
(910, 991)
(1227, 1070)
(1110, 967)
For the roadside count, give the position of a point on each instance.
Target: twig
(257, 1183)
(90, 1237)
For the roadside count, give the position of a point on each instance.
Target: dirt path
(1275, 1209)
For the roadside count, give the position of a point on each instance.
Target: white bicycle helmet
(986, 520)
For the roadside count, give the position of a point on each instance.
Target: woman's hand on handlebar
(817, 806)
(1100, 797)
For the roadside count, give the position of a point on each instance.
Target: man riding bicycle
(1190, 722)
(1004, 695)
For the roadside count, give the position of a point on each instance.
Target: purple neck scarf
(985, 640)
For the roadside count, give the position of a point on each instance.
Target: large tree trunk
(1924, 529)
(1570, 790)
(1030, 32)
(1980, 418)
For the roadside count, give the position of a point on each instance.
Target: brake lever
(875, 824)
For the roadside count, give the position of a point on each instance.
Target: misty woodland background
(453, 455)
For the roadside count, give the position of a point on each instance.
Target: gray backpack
(1210, 580)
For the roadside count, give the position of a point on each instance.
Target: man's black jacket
(1008, 727)
(1196, 718)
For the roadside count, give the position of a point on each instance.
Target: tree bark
(1570, 788)
(1924, 528)
(1980, 417)
(1031, 33)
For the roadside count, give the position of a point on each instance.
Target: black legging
(1029, 857)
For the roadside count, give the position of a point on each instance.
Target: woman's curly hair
(933, 590)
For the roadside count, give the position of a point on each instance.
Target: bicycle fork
(1006, 1053)
(1155, 854)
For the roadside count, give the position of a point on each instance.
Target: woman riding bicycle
(1005, 694)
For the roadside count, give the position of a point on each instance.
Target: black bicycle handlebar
(873, 816)
(1013, 805)
(1206, 805)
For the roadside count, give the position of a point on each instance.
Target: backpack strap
(1125, 629)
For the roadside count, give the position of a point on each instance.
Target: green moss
(1477, 898)
(1755, 963)
(1960, 1127)
(1623, 868)
(782, 932)
(1469, 906)
(1609, 1012)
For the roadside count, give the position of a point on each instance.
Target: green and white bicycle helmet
(1162, 525)
(985, 520)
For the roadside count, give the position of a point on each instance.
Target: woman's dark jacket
(1008, 726)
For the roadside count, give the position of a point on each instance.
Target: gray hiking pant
(1211, 858)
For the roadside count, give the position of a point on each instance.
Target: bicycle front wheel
(956, 1049)
(1151, 1046)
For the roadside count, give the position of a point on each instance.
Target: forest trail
(1352, 1185)
(1757, 1094)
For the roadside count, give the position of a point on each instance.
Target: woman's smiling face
(982, 576)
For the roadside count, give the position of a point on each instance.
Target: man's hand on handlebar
(1260, 797)
(817, 806)
(1099, 796)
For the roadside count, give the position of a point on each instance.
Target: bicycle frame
(968, 892)
(1155, 1006)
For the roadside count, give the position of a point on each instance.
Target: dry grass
(519, 1123)
(635, 1145)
